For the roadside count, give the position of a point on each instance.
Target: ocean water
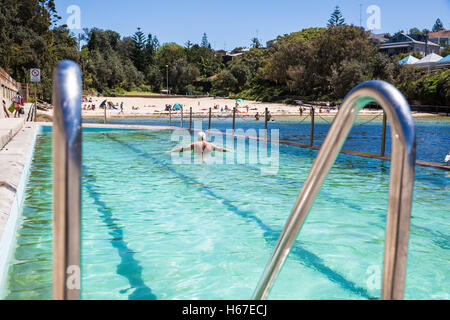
(158, 228)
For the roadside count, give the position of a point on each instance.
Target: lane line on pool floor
(306, 257)
(129, 267)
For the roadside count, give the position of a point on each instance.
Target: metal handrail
(30, 113)
(400, 187)
(66, 180)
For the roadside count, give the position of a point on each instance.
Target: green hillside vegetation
(311, 64)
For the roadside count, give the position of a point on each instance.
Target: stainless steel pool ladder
(66, 181)
(400, 186)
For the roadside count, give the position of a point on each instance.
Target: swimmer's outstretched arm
(216, 148)
(182, 149)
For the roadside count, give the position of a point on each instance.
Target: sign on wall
(35, 75)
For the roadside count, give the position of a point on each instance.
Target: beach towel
(11, 108)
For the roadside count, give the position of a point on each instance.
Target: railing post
(265, 119)
(182, 117)
(234, 118)
(190, 118)
(383, 135)
(311, 139)
(104, 120)
(265, 122)
(209, 123)
(170, 116)
(66, 181)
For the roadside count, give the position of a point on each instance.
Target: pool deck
(9, 128)
(15, 159)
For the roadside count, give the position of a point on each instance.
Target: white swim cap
(201, 136)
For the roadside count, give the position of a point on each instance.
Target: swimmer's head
(201, 136)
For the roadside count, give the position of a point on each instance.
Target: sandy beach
(155, 107)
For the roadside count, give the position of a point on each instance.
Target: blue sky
(233, 23)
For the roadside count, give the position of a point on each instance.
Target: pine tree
(256, 43)
(336, 18)
(139, 47)
(438, 26)
(205, 43)
(151, 46)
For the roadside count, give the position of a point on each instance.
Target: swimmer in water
(201, 147)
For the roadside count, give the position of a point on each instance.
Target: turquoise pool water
(153, 229)
(433, 134)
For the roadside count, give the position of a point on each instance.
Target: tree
(181, 74)
(205, 43)
(151, 46)
(29, 40)
(349, 74)
(336, 18)
(256, 43)
(303, 64)
(204, 59)
(446, 51)
(438, 25)
(415, 31)
(225, 83)
(245, 67)
(139, 47)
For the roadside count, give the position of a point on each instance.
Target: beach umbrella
(239, 100)
(177, 106)
(408, 60)
(103, 104)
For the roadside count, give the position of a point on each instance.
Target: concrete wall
(8, 89)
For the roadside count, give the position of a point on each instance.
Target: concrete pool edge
(21, 149)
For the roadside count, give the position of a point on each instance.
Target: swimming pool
(433, 133)
(152, 229)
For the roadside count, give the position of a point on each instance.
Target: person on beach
(5, 110)
(16, 112)
(257, 116)
(201, 147)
